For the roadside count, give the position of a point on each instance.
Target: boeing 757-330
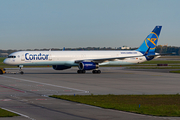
(87, 60)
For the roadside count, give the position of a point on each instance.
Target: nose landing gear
(20, 69)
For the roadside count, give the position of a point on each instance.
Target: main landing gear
(94, 71)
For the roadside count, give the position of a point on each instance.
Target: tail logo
(151, 40)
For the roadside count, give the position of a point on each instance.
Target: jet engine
(88, 66)
(60, 67)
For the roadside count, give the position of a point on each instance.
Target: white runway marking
(45, 84)
(18, 113)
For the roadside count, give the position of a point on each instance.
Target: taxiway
(28, 94)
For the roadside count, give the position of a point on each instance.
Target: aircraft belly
(35, 63)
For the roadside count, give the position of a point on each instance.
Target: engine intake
(88, 66)
(60, 67)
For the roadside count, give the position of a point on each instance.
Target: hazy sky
(29, 24)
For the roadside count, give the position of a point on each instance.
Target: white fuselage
(69, 57)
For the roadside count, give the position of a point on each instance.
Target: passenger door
(22, 57)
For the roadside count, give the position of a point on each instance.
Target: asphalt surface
(27, 94)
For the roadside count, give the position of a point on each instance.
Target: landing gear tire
(21, 72)
(99, 71)
(81, 71)
(96, 71)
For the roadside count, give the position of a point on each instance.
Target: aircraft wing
(101, 60)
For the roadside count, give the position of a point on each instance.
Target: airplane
(87, 60)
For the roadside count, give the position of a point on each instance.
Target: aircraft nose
(6, 61)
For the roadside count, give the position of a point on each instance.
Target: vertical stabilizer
(151, 41)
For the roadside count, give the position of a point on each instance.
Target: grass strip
(161, 62)
(157, 105)
(5, 113)
(176, 71)
(154, 67)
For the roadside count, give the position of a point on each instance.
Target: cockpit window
(11, 56)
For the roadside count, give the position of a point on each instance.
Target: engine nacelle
(88, 66)
(60, 67)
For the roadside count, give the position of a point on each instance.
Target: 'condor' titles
(39, 56)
